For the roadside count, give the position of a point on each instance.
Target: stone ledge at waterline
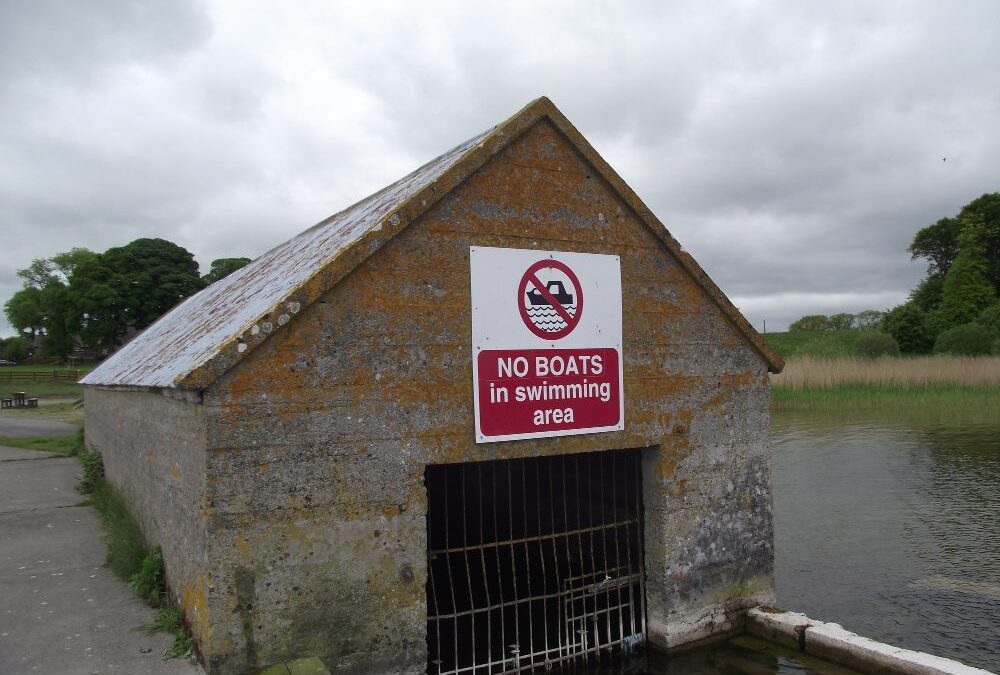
(307, 666)
(832, 642)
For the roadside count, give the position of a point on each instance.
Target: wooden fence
(40, 376)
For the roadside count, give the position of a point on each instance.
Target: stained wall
(153, 446)
(317, 441)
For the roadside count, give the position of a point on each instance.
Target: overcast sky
(793, 148)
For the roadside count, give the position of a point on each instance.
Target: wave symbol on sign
(541, 311)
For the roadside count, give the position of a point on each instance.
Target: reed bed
(806, 373)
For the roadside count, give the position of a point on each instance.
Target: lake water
(891, 527)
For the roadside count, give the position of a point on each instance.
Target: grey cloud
(73, 42)
(792, 148)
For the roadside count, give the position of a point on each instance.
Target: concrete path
(61, 611)
(23, 427)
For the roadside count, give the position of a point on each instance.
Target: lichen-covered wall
(153, 445)
(317, 441)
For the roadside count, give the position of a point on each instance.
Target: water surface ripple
(892, 529)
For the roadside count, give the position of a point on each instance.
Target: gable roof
(208, 333)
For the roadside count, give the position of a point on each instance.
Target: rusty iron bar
(546, 597)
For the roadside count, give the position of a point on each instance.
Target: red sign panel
(527, 391)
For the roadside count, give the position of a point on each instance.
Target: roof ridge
(208, 333)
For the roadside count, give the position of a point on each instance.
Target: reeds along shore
(906, 373)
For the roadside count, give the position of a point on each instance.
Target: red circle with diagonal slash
(571, 321)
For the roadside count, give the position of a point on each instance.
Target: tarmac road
(61, 611)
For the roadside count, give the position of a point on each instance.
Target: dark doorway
(534, 563)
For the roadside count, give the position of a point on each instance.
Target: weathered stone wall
(318, 439)
(153, 447)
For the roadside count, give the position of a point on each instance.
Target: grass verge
(129, 557)
(67, 445)
(827, 343)
(44, 386)
(44, 389)
(952, 400)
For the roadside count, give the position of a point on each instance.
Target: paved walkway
(61, 611)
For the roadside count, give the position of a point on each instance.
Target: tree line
(97, 301)
(870, 319)
(956, 306)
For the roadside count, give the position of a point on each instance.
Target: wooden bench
(6, 403)
(32, 402)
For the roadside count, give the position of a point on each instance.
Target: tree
(874, 344)
(66, 263)
(223, 267)
(967, 289)
(810, 322)
(938, 244)
(842, 321)
(24, 311)
(44, 299)
(969, 339)
(990, 318)
(986, 210)
(927, 295)
(59, 321)
(907, 324)
(43, 272)
(128, 287)
(15, 349)
(963, 271)
(868, 319)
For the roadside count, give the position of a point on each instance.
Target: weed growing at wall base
(128, 557)
(170, 619)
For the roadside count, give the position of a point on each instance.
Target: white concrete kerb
(833, 642)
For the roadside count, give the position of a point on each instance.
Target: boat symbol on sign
(562, 297)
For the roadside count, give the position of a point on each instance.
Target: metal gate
(534, 563)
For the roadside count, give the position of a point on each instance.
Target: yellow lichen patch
(385, 576)
(175, 470)
(298, 534)
(241, 546)
(265, 467)
(194, 602)
(729, 384)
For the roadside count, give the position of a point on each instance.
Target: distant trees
(98, 300)
(869, 319)
(13, 349)
(968, 339)
(811, 322)
(961, 287)
(841, 321)
(25, 313)
(907, 324)
(223, 267)
(127, 288)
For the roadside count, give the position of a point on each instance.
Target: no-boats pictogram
(550, 299)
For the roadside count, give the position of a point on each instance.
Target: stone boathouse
(366, 446)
